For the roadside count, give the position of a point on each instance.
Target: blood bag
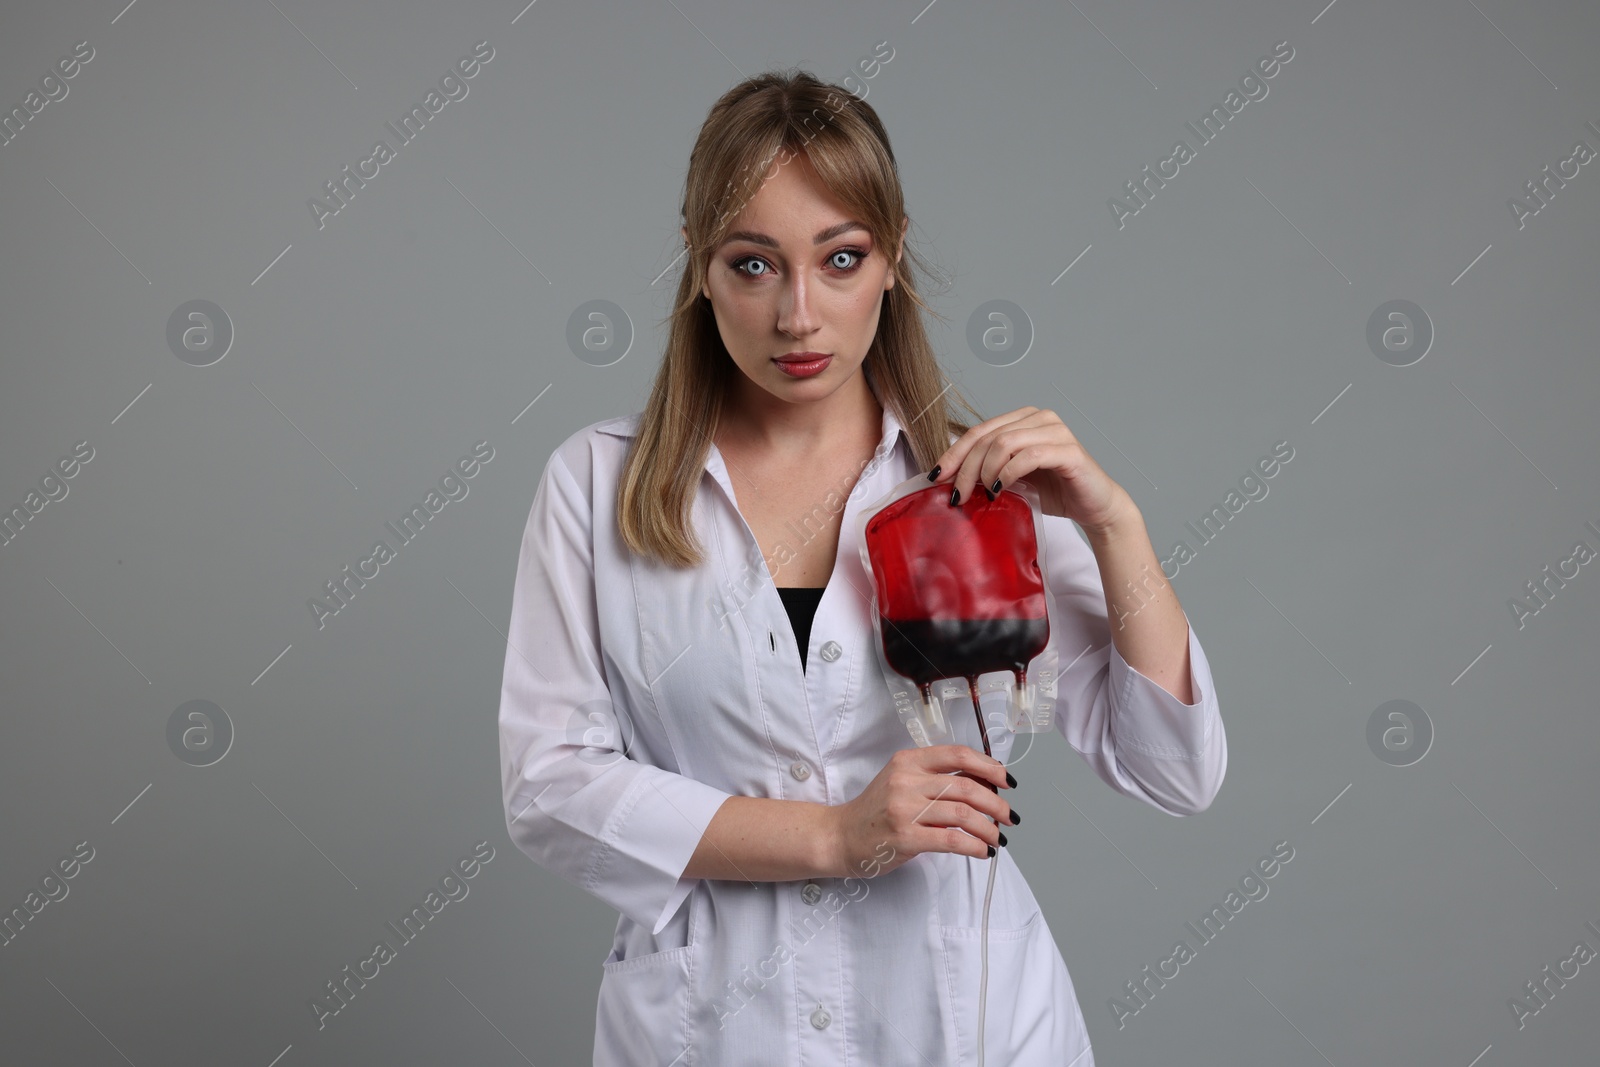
(959, 592)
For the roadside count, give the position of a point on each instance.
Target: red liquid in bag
(960, 592)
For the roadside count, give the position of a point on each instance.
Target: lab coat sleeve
(575, 801)
(1139, 738)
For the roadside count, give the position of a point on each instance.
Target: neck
(752, 418)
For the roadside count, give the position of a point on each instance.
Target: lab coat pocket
(1018, 1027)
(643, 1010)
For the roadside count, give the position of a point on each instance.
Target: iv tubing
(988, 893)
(983, 981)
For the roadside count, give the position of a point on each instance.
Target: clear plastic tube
(983, 953)
(988, 893)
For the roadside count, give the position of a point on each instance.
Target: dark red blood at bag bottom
(960, 592)
(925, 650)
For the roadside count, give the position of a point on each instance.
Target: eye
(855, 253)
(738, 266)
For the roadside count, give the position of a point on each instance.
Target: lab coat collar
(628, 425)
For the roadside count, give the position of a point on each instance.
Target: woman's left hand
(1035, 445)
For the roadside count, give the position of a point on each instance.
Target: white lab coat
(636, 698)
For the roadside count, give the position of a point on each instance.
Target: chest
(704, 663)
(796, 515)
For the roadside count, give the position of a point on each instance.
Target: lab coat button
(811, 892)
(831, 651)
(800, 770)
(820, 1018)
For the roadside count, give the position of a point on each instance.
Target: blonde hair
(761, 123)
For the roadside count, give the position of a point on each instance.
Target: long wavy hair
(758, 125)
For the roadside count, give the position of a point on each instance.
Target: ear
(705, 290)
(898, 252)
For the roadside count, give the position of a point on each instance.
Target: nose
(796, 316)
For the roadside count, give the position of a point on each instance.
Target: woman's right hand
(915, 805)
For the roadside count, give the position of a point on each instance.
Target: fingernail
(991, 852)
(1002, 839)
(996, 486)
(1012, 782)
(1016, 820)
(955, 497)
(933, 475)
(988, 492)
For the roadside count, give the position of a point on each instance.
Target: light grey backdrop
(1434, 475)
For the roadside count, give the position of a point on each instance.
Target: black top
(800, 601)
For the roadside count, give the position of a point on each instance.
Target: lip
(803, 364)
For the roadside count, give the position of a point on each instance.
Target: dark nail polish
(1012, 782)
(1016, 820)
(933, 475)
(991, 852)
(996, 486)
(988, 492)
(955, 497)
(1002, 839)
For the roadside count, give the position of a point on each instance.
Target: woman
(680, 737)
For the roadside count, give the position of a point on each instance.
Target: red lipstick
(803, 364)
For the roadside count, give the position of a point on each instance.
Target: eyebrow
(762, 239)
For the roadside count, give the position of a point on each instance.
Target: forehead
(791, 203)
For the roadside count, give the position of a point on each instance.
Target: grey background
(1228, 315)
